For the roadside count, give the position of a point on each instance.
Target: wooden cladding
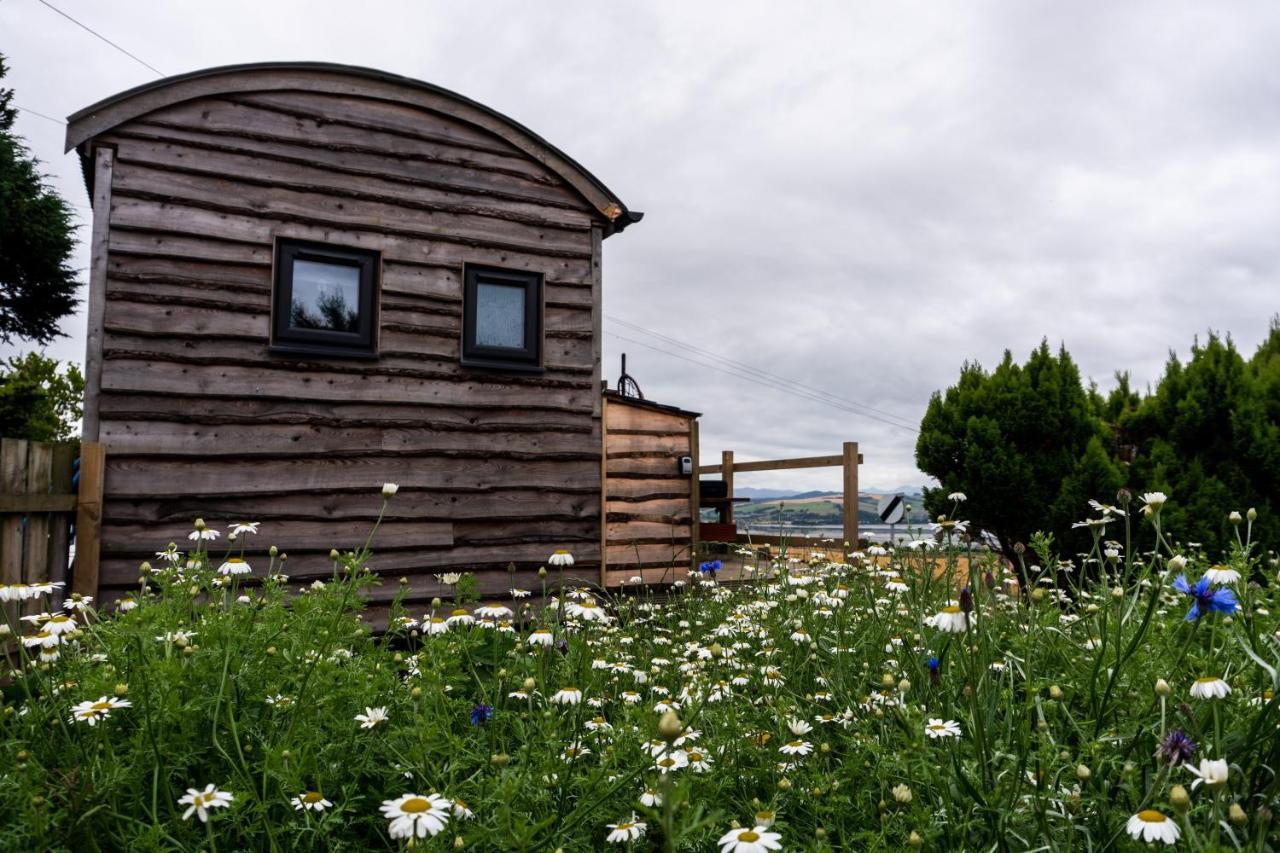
(649, 517)
(201, 419)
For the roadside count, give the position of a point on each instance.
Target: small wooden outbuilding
(310, 279)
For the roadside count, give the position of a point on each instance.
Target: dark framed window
(325, 300)
(501, 318)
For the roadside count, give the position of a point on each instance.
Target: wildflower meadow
(923, 696)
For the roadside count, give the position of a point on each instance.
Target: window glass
(500, 315)
(325, 296)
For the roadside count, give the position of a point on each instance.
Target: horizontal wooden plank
(296, 536)
(288, 172)
(533, 416)
(657, 508)
(619, 555)
(399, 351)
(664, 467)
(156, 477)
(134, 437)
(255, 227)
(259, 193)
(467, 167)
(624, 417)
(118, 572)
(618, 533)
(673, 444)
(286, 381)
(780, 464)
(633, 491)
(383, 115)
(37, 503)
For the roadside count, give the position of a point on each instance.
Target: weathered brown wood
(695, 494)
(13, 482)
(277, 379)
(151, 477)
(89, 518)
(60, 525)
(604, 487)
(851, 460)
(244, 225)
(296, 536)
(104, 159)
(726, 474)
(834, 461)
(320, 205)
(26, 503)
(156, 437)
(39, 479)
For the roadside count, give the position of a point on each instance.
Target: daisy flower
(92, 712)
(1150, 826)
(670, 762)
(567, 696)
(234, 566)
(699, 762)
(541, 637)
(371, 717)
(1211, 687)
(625, 831)
(416, 816)
(756, 840)
(951, 619)
(939, 729)
(389, 490)
(588, 610)
(202, 533)
(650, 798)
(1211, 773)
(493, 611)
(1221, 574)
(561, 558)
(199, 802)
(312, 801)
(796, 747)
(242, 527)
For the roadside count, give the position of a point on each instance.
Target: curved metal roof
(101, 117)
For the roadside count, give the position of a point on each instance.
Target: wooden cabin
(310, 279)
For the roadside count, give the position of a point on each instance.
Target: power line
(99, 35)
(774, 379)
(40, 114)
(776, 386)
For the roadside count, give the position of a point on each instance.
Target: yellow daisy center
(1151, 816)
(312, 797)
(749, 836)
(460, 612)
(951, 609)
(415, 805)
(100, 706)
(1209, 680)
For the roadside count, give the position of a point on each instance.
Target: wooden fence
(39, 505)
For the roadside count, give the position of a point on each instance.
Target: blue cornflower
(481, 714)
(935, 677)
(1207, 598)
(1176, 748)
(710, 566)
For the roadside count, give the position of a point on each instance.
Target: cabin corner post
(695, 495)
(604, 490)
(726, 474)
(103, 165)
(850, 460)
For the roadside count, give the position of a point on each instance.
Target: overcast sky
(857, 197)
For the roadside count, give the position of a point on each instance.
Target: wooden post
(695, 494)
(39, 482)
(104, 160)
(850, 461)
(726, 474)
(604, 489)
(13, 461)
(93, 458)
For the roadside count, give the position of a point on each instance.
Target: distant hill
(817, 508)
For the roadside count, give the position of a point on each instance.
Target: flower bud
(200, 525)
(499, 759)
(389, 489)
(902, 793)
(334, 555)
(1235, 813)
(784, 784)
(121, 689)
(436, 602)
(1177, 563)
(904, 686)
(1038, 594)
(915, 840)
(1083, 773)
(1252, 514)
(1162, 687)
(273, 550)
(1235, 517)
(1179, 798)
(458, 843)
(886, 681)
(529, 684)
(1055, 693)
(670, 727)
(542, 571)
(416, 693)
